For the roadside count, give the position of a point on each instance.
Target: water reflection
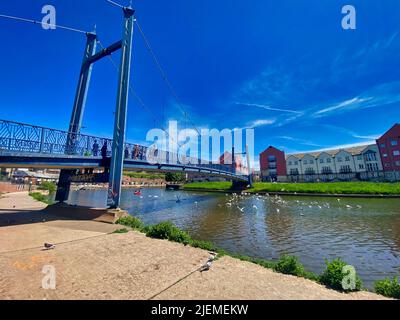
(364, 232)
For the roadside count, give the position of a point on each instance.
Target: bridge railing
(21, 137)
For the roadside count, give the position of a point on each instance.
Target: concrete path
(92, 263)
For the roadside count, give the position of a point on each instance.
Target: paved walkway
(92, 263)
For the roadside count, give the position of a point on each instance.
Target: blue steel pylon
(64, 183)
(117, 156)
(90, 58)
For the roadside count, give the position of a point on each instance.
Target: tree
(175, 177)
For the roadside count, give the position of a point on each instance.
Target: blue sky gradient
(285, 67)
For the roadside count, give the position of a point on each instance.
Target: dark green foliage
(174, 177)
(289, 265)
(41, 197)
(205, 245)
(167, 230)
(124, 230)
(388, 288)
(49, 186)
(131, 222)
(333, 276)
(145, 175)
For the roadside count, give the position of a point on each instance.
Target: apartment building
(273, 165)
(361, 163)
(389, 148)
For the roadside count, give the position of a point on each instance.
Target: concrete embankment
(91, 262)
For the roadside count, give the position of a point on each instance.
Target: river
(364, 232)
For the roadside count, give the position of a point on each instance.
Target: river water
(364, 232)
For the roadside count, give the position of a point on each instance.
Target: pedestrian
(104, 150)
(95, 148)
(126, 152)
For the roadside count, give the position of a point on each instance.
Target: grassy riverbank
(332, 277)
(363, 188)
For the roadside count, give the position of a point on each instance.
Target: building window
(370, 157)
(396, 153)
(296, 163)
(347, 158)
(339, 159)
(361, 166)
(394, 142)
(397, 163)
(329, 160)
(290, 163)
(321, 160)
(345, 169)
(372, 167)
(305, 162)
(271, 159)
(310, 171)
(326, 170)
(311, 161)
(385, 155)
(359, 157)
(294, 172)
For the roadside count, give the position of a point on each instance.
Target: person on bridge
(104, 150)
(95, 148)
(126, 153)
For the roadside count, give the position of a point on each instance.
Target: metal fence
(26, 138)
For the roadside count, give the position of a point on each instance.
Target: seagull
(208, 264)
(255, 207)
(348, 206)
(277, 210)
(241, 209)
(49, 246)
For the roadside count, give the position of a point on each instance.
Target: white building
(362, 162)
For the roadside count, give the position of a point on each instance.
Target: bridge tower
(117, 153)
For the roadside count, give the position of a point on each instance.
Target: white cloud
(268, 107)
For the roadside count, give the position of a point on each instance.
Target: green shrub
(333, 276)
(123, 230)
(49, 186)
(166, 230)
(289, 265)
(205, 245)
(41, 197)
(131, 222)
(388, 288)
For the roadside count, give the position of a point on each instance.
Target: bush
(123, 230)
(205, 245)
(333, 276)
(166, 230)
(131, 222)
(41, 197)
(49, 186)
(388, 288)
(289, 265)
(175, 177)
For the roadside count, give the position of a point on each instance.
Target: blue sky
(285, 67)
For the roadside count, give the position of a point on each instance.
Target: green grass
(367, 188)
(332, 276)
(145, 175)
(41, 197)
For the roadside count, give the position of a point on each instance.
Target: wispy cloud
(266, 107)
(300, 141)
(257, 123)
(347, 104)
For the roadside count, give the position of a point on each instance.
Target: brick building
(389, 149)
(273, 165)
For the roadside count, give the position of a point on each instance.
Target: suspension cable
(41, 23)
(164, 76)
(140, 100)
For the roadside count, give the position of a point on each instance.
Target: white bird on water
(241, 209)
(277, 210)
